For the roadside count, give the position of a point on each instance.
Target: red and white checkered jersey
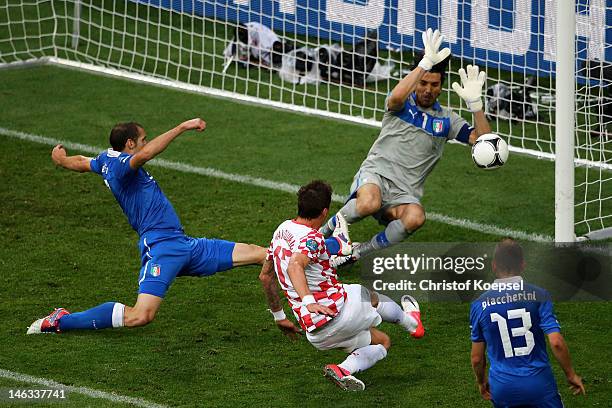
(291, 237)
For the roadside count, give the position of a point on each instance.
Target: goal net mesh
(342, 58)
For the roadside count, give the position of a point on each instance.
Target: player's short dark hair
(313, 198)
(508, 256)
(122, 132)
(440, 68)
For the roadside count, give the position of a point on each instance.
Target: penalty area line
(278, 186)
(90, 392)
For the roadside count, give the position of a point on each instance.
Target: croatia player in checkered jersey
(334, 315)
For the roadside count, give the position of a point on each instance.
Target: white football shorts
(350, 329)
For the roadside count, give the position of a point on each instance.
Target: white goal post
(564, 121)
(548, 86)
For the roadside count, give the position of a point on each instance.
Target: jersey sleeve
(548, 320)
(312, 245)
(269, 252)
(394, 112)
(96, 164)
(475, 330)
(460, 129)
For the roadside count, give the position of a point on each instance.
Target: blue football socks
(99, 317)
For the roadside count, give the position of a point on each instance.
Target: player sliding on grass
(333, 315)
(512, 329)
(415, 127)
(166, 251)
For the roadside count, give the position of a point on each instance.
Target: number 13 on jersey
(522, 331)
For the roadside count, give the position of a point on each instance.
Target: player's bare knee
(379, 337)
(368, 204)
(385, 341)
(413, 220)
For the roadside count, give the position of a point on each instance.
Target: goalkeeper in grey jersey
(389, 183)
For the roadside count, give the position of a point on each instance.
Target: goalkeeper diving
(389, 184)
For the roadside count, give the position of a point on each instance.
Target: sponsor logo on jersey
(312, 245)
(155, 270)
(437, 126)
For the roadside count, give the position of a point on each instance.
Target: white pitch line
(90, 392)
(275, 185)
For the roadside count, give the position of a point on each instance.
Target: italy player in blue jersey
(510, 323)
(166, 252)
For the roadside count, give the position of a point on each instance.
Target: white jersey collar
(511, 279)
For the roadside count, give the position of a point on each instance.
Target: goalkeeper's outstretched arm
(470, 91)
(432, 56)
(481, 126)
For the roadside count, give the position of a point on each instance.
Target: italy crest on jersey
(437, 126)
(155, 270)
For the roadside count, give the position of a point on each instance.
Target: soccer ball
(490, 151)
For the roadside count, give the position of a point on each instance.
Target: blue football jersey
(138, 194)
(513, 323)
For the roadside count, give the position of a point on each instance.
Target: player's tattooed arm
(75, 163)
(270, 286)
(479, 365)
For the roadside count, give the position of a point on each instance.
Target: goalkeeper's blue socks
(109, 314)
(393, 234)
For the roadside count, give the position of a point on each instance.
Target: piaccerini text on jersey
(509, 297)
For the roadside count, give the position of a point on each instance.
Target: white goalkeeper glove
(433, 55)
(472, 82)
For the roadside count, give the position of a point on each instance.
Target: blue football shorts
(536, 391)
(164, 257)
(552, 402)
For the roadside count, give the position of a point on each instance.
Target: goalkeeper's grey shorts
(391, 194)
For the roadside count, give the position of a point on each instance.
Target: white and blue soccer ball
(490, 151)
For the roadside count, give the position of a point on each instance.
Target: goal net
(340, 58)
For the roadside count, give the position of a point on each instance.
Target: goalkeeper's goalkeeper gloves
(432, 53)
(472, 82)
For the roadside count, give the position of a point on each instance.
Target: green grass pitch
(65, 242)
